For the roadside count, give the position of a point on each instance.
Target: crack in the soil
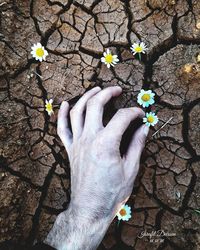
(48, 127)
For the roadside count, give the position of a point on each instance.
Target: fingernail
(64, 103)
(97, 88)
(145, 129)
(119, 87)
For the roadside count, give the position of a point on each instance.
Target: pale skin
(101, 180)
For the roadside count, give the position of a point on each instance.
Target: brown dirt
(34, 172)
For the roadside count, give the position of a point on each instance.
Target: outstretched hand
(101, 180)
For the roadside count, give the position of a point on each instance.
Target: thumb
(135, 148)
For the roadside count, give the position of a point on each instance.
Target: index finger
(95, 107)
(120, 122)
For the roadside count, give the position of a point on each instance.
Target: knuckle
(103, 145)
(93, 101)
(76, 109)
(99, 143)
(83, 140)
(60, 218)
(73, 112)
(127, 111)
(141, 140)
(123, 111)
(60, 129)
(138, 110)
(98, 146)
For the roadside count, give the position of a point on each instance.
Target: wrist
(91, 212)
(75, 229)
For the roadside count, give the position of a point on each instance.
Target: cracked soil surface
(34, 172)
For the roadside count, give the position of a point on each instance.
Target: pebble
(198, 58)
(198, 25)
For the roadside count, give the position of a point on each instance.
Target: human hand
(101, 180)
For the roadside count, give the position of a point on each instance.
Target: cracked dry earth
(34, 172)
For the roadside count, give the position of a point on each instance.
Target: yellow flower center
(39, 52)
(146, 97)
(122, 212)
(138, 49)
(48, 107)
(150, 119)
(109, 58)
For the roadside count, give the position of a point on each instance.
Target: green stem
(118, 223)
(197, 211)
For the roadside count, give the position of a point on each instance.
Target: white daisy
(138, 48)
(49, 106)
(145, 98)
(39, 52)
(109, 59)
(30, 76)
(124, 213)
(151, 119)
